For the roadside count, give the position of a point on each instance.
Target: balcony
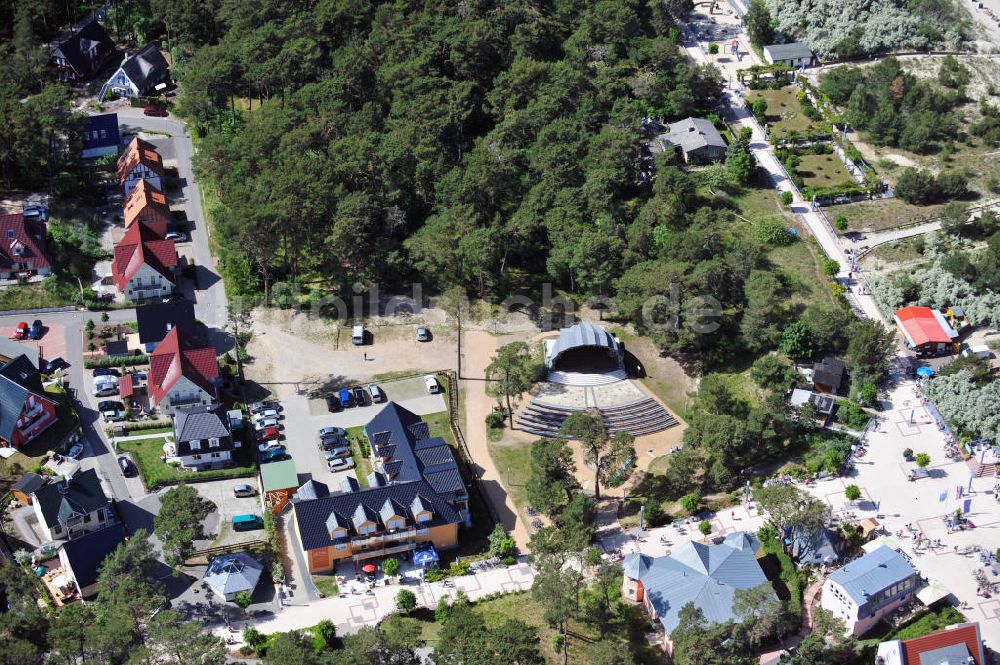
(382, 551)
(381, 540)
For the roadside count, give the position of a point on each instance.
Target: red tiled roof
(922, 326)
(139, 152)
(178, 356)
(15, 231)
(125, 388)
(967, 634)
(145, 201)
(138, 247)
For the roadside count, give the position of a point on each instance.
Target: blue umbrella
(425, 557)
(925, 371)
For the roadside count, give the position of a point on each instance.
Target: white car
(433, 387)
(264, 423)
(106, 385)
(266, 413)
(340, 464)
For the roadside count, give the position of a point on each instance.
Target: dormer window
(213, 442)
(195, 445)
(10, 234)
(423, 517)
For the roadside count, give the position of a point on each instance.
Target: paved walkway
(350, 612)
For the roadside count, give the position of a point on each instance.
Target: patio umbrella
(368, 568)
(925, 371)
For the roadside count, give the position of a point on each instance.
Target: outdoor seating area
(644, 416)
(58, 583)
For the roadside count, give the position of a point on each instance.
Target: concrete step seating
(587, 379)
(643, 416)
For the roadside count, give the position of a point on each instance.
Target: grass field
(326, 584)
(881, 214)
(822, 171)
(802, 271)
(32, 296)
(784, 113)
(513, 462)
(147, 452)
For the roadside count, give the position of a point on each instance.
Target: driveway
(227, 505)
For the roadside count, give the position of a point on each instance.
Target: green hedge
(139, 427)
(124, 361)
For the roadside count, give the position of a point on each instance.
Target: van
(243, 490)
(358, 335)
(432, 384)
(247, 522)
(375, 392)
(982, 351)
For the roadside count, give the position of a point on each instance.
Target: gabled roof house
(926, 331)
(148, 205)
(139, 74)
(145, 264)
(182, 370)
(869, 588)
(960, 644)
(80, 55)
(73, 507)
(140, 161)
(201, 437)
(101, 136)
(155, 320)
(23, 248)
(82, 557)
(705, 575)
(697, 139)
(25, 411)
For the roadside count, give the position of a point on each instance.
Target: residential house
(794, 55)
(147, 205)
(232, 574)
(25, 411)
(157, 319)
(391, 520)
(72, 507)
(926, 331)
(80, 55)
(828, 374)
(23, 250)
(101, 136)
(823, 404)
(26, 485)
(818, 548)
(183, 370)
(145, 264)
(82, 557)
(138, 75)
(278, 482)
(870, 588)
(11, 348)
(960, 644)
(706, 575)
(201, 437)
(402, 450)
(697, 139)
(140, 161)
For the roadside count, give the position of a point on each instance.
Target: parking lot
(304, 416)
(220, 492)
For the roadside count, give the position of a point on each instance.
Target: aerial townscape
(481, 332)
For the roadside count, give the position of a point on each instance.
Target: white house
(144, 265)
(140, 161)
(870, 588)
(793, 55)
(201, 437)
(72, 507)
(182, 371)
(138, 75)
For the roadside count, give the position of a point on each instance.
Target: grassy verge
(514, 464)
(155, 472)
(326, 585)
(359, 448)
(800, 266)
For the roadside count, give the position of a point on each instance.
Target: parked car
(266, 413)
(358, 335)
(243, 490)
(261, 406)
(344, 395)
(35, 332)
(339, 464)
(269, 434)
(332, 403)
(337, 453)
(376, 393)
(76, 451)
(106, 385)
(423, 334)
(55, 365)
(269, 445)
(247, 522)
(272, 454)
(125, 464)
(21, 331)
(433, 387)
(332, 442)
(157, 111)
(327, 431)
(106, 371)
(265, 423)
(359, 396)
(177, 236)
(112, 411)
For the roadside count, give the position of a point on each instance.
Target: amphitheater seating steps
(587, 379)
(644, 416)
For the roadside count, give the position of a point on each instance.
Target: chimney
(169, 327)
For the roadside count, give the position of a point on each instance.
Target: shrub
(655, 515)
(124, 361)
(689, 502)
(852, 492)
(831, 267)
(841, 223)
(923, 459)
(323, 636)
(508, 561)
(772, 231)
(705, 527)
(390, 567)
(786, 198)
(713, 49)
(496, 419)
(908, 453)
(406, 600)
(443, 610)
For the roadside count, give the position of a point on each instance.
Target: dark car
(55, 365)
(128, 469)
(359, 396)
(155, 111)
(106, 371)
(332, 403)
(36, 330)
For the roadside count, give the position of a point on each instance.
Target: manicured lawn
(659, 465)
(359, 446)
(513, 461)
(440, 425)
(784, 114)
(800, 265)
(822, 171)
(166, 429)
(147, 452)
(326, 584)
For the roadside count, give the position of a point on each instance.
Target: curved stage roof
(581, 335)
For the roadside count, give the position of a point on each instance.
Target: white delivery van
(358, 335)
(982, 351)
(432, 384)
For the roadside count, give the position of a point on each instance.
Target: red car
(22, 330)
(155, 110)
(269, 434)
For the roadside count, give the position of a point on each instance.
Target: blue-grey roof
(87, 553)
(821, 547)
(952, 654)
(635, 565)
(156, 320)
(792, 51)
(400, 436)
(875, 571)
(581, 334)
(706, 575)
(81, 495)
(312, 489)
(233, 573)
(95, 125)
(313, 516)
(201, 422)
(693, 133)
(146, 68)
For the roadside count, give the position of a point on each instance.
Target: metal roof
(582, 334)
(279, 475)
(706, 575)
(233, 573)
(872, 573)
(792, 51)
